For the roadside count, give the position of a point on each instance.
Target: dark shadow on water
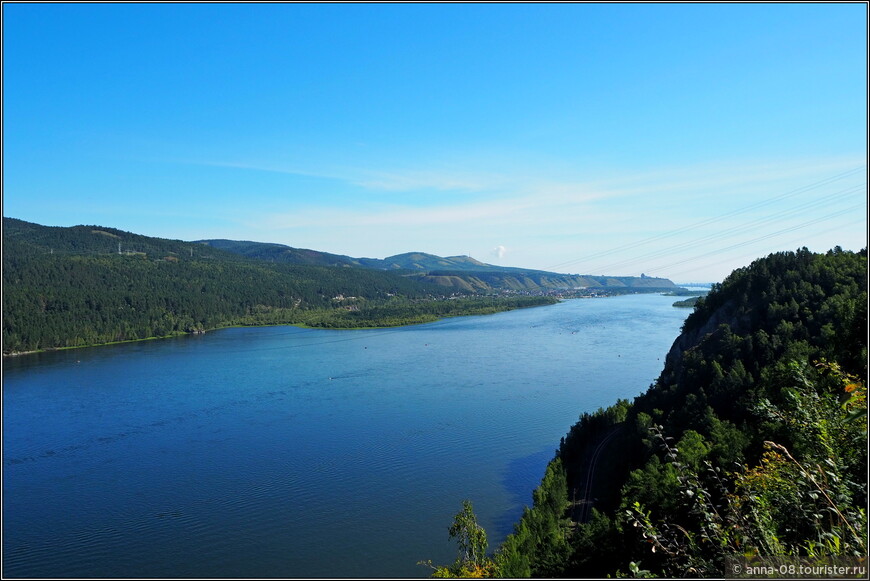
(520, 478)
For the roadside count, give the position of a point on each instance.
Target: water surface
(287, 452)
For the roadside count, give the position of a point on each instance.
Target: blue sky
(677, 140)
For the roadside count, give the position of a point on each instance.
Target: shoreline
(242, 325)
(69, 348)
(308, 326)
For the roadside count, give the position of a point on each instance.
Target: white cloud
(672, 214)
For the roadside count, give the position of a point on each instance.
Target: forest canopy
(751, 443)
(89, 285)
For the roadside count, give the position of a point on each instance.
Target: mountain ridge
(90, 285)
(87, 285)
(452, 273)
(459, 272)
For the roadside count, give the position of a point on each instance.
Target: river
(288, 452)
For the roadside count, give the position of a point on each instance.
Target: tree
(472, 560)
(807, 501)
(470, 535)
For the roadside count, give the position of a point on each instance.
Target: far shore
(299, 325)
(202, 332)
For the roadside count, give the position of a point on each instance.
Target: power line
(812, 222)
(755, 255)
(730, 232)
(713, 220)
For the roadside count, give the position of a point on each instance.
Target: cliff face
(727, 315)
(748, 368)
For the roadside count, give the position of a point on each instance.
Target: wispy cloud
(565, 220)
(387, 180)
(618, 219)
(531, 201)
(261, 166)
(445, 180)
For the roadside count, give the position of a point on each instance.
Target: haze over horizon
(680, 141)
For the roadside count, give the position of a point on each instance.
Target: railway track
(585, 503)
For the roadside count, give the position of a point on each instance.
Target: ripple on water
(236, 455)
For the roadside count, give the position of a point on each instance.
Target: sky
(673, 140)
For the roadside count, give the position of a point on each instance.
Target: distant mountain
(87, 285)
(535, 280)
(429, 262)
(419, 261)
(461, 273)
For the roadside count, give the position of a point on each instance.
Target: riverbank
(379, 316)
(137, 438)
(71, 347)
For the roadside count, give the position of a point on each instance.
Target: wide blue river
(287, 452)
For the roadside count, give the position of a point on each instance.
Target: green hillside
(428, 262)
(535, 280)
(88, 285)
(456, 273)
(417, 261)
(751, 443)
(281, 253)
(101, 240)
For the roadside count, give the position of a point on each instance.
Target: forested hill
(459, 273)
(533, 280)
(752, 441)
(414, 261)
(87, 285)
(270, 252)
(31, 238)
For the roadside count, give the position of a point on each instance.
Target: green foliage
(728, 441)
(281, 253)
(687, 303)
(741, 446)
(472, 560)
(70, 287)
(692, 448)
(539, 546)
(811, 505)
(470, 535)
(653, 485)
